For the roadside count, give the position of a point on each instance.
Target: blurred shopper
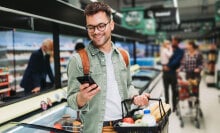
(100, 103)
(49, 82)
(169, 71)
(79, 46)
(192, 63)
(166, 52)
(34, 78)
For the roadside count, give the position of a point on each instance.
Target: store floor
(210, 106)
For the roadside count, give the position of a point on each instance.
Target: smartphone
(86, 79)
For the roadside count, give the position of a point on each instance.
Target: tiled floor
(210, 105)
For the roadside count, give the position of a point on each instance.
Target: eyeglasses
(100, 27)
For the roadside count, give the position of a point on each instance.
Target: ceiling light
(163, 14)
(177, 11)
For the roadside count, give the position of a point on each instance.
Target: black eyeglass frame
(91, 28)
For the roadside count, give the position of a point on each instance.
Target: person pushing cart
(192, 65)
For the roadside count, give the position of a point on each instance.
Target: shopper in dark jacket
(34, 78)
(169, 75)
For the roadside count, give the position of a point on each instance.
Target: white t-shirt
(165, 55)
(113, 99)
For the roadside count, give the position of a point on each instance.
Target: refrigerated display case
(67, 46)
(143, 79)
(25, 42)
(4, 83)
(16, 47)
(47, 118)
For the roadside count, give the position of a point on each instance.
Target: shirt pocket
(122, 70)
(96, 72)
(123, 73)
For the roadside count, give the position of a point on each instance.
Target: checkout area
(145, 79)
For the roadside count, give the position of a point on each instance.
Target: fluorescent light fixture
(175, 3)
(119, 14)
(162, 14)
(93, 0)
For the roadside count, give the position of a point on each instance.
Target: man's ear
(112, 25)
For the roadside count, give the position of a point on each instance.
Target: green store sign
(217, 13)
(133, 18)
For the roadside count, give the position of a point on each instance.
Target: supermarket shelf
(19, 89)
(32, 102)
(18, 79)
(65, 56)
(22, 49)
(3, 83)
(4, 73)
(17, 70)
(64, 79)
(5, 90)
(4, 60)
(69, 18)
(64, 63)
(66, 49)
(3, 50)
(17, 59)
(63, 71)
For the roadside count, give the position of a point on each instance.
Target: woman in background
(192, 63)
(166, 52)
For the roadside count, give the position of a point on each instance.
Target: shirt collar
(44, 53)
(95, 50)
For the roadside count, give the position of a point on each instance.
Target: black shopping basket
(161, 127)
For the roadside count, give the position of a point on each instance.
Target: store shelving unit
(65, 54)
(18, 56)
(4, 73)
(61, 19)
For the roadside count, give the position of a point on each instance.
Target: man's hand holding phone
(86, 92)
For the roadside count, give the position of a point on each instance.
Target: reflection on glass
(39, 69)
(67, 46)
(16, 46)
(147, 73)
(6, 75)
(140, 84)
(45, 119)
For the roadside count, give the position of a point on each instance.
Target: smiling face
(100, 38)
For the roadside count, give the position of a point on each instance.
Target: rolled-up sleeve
(74, 69)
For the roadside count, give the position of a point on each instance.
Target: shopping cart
(161, 127)
(188, 100)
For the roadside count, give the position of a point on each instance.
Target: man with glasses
(100, 103)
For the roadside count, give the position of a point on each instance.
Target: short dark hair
(177, 38)
(193, 44)
(79, 46)
(94, 7)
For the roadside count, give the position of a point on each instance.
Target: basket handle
(123, 103)
(161, 108)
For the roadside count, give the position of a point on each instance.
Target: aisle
(210, 105)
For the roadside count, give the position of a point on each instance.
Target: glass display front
(16, 49)
(67, 48)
